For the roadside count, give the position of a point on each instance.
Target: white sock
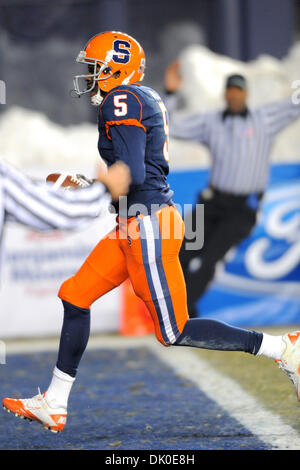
(271, 346)
(59, 389)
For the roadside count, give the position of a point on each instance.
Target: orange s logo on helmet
(114, 59)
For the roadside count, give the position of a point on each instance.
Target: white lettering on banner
(263, 269)
(281, 224)
(289, 229)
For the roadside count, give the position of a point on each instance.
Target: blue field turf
(122, 399)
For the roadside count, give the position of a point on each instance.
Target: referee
(240, 141)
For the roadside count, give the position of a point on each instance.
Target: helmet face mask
(113, 59)
(93, 76)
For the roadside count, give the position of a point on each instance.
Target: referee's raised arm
(280, 114)
(194, 127)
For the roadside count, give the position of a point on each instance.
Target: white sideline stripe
(229, 396)
(268, 427)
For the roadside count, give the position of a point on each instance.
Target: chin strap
(96, 100)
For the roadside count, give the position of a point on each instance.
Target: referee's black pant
(228, 219)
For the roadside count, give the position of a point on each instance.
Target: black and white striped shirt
(36, 205)
(239, 146)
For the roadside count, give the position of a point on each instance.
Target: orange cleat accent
(37, 409)
(294, 336)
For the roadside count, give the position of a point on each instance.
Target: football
(65, 181)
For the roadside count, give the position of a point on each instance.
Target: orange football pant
(145, 249)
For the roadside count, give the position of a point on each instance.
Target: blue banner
(260, 283)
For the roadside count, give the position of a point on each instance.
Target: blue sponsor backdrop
(260, 282)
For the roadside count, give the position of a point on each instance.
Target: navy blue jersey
(133, 127)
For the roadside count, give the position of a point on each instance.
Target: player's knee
(69, 291)
(171, 339)
(65, 289)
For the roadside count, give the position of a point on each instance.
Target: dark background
(40, 39)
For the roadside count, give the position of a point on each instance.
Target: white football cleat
(290, 359)
(37, 409)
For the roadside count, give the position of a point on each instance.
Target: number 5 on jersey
(120, 105)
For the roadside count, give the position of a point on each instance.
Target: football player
(144, 246)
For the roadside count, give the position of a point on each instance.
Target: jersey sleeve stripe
(126, 122)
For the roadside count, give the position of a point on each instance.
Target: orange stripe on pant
(145, 249)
